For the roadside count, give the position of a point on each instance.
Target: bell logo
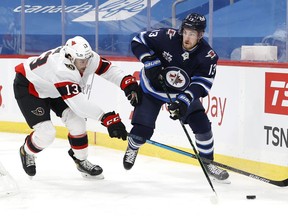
(276, 93)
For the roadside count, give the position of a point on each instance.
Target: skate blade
(97, 177)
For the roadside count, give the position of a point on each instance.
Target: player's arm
(78, 103)
(72, 94)
(116, 75)
(203, 79)
(144, 44)
(200, 85)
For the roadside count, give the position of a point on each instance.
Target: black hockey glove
(179, 107)
(132, 90)
(114, 125)
(153, 68)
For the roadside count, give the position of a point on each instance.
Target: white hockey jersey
(51, 75)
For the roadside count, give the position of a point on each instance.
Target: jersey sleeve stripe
(68, 89)
(208, 82)
(103, 66)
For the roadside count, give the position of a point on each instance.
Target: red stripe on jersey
(104, 65)
(62, 84)
(20, 69)
(32, 90)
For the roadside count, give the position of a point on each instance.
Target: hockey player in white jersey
(54, 81)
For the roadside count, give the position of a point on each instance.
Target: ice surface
(152, 187)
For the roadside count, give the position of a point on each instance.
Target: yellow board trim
(266, 170)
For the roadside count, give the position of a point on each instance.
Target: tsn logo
(276, 93)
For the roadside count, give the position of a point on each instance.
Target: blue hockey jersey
(199, 63)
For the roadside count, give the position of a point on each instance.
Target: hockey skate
(86, 168)
(129, 158)
(28, 162)
(217, 174)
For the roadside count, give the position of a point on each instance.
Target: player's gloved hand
(132, 90)
(153, 68)
(178, 108)
(115, 127)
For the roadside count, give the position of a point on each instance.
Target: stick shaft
(280, 183)
(189, 139)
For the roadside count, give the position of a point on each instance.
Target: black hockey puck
(251, 197)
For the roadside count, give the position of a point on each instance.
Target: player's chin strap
(161, 80)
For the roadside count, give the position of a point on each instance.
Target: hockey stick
(189, 139)
(90, 87)
(281, 183)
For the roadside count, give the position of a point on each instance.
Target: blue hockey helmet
(193, 21)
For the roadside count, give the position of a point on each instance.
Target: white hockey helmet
(77, 48)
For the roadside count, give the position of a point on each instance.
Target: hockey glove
(114, 125)
(132, 90)
(153, 68)
(178, 108)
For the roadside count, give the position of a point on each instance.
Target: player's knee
(44, 134)
(199, 123)
(75, 124)
(142, 131)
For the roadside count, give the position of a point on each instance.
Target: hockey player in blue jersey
(187, 64)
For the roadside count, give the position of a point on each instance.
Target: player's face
(190, 38)
(81, 64)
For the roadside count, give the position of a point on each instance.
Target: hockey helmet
(193, 21)
(77, 48)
